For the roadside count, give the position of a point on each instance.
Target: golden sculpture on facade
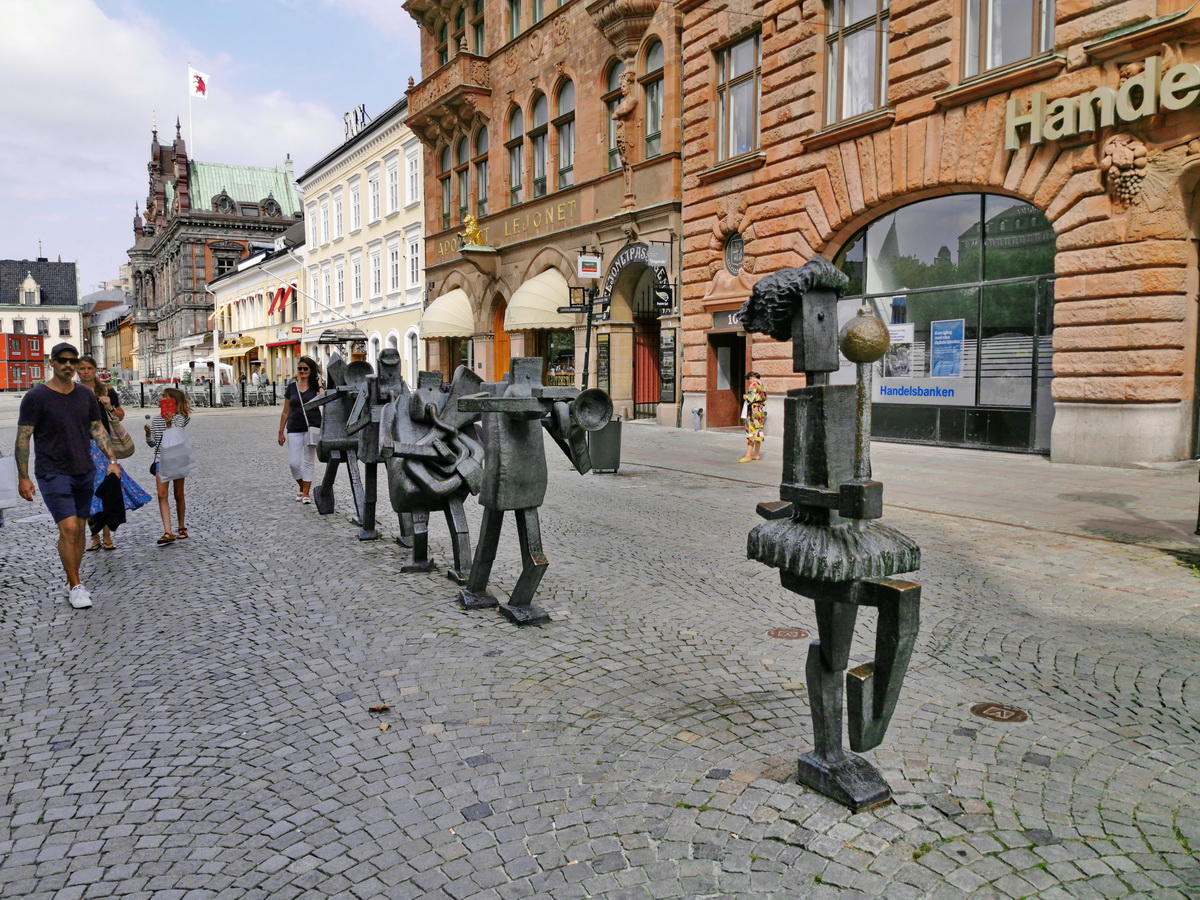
(471, 235)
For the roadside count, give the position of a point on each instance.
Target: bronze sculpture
(822, 534)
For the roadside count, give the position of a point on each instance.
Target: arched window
(481, 172)
(565, 123)
(612, 98)
(414, 357)
(652, 82)
(516, 157)
(462, 156)
(444, 183)
(539, 139)
(477, 27)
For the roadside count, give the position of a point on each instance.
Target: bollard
(1198, 517)
(142, 390)
(697, 418)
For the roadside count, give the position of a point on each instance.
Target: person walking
(62, 418)
(755, 400)
(295, 421)
(112, 412)
(155, 429)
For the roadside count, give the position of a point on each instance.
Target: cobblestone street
(271, 710)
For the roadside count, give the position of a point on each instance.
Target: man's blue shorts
(68, 495)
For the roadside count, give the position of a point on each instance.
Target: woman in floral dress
(756, 417)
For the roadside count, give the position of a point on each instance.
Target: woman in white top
(154, 435)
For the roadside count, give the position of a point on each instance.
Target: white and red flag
(197, 84)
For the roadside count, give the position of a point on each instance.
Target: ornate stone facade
(1111, 166)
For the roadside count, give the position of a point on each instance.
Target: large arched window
(444, 185)
(462, 174)
(965, 284)
(516, 157)
(652, 83)
(538, 136)
(612, 99)
(481, 172)
(565, 125)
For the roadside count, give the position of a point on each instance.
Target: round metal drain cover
(998, 712)
(788, 634)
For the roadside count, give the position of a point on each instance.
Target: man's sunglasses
(73, 360)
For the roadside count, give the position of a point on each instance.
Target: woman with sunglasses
(295, 422)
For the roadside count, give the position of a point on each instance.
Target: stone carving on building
(623, 117)
(623, 22)
(822, 534)
(471, 235)
(1124, 167)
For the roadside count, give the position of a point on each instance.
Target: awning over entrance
(535, 304)
(449, 316)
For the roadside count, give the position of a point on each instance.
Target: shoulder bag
(122, 444)
(314, 431)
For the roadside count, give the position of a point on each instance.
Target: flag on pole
(197, 84)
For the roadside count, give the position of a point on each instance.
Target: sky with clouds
(80, 81)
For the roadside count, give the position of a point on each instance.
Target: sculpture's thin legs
(460, 538)
(533, 560)
(367, 532)
(323, 492)
(420, 543)
(476, 595)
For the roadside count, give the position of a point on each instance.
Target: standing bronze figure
(822, 534)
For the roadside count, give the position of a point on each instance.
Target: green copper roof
(249, 184)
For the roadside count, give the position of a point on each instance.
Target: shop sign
(628, 255)
(588, 266)
(297, 329)
(727, 320)
(1146, 94)
(925, 391)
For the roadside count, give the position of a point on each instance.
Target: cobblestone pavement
(270, 709)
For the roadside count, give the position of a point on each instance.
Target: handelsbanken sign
(1145, 94)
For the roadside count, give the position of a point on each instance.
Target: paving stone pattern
(206, 730)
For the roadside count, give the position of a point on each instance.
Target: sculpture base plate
(368, 534)
(471, 600)
(456, 576)
(525, 615)
(851, 781)
(426, 566)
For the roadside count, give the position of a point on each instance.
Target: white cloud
(76, 138)
(387, 15)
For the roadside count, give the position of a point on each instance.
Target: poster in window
(666, 365)
(602, 379)
(897, 362)
(946, 348)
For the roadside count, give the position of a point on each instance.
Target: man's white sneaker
(80, 598)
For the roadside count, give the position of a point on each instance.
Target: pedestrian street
(270, 709)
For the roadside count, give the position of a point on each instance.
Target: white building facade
(363, 254)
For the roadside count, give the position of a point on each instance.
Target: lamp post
(585, 297)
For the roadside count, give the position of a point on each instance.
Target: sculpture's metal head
(864, 338)
(800, 305)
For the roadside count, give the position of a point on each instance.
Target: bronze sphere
(864, 338)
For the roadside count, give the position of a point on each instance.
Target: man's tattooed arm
(100, 436)
(21, 450)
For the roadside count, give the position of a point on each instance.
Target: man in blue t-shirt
(63, 418)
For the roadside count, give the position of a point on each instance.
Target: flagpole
(191, 144)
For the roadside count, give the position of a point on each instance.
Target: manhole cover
(998, 712)
(788, 634)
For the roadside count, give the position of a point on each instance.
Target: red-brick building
(556, 127)
(1010, 186)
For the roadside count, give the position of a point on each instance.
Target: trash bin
(605, 447)
(697, 418)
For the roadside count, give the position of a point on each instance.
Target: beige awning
(448, 316)
(535, 304)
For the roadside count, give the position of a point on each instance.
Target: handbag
(122, 443)
(745, 409)
(314, 431)
(8, 482)
(175, 456)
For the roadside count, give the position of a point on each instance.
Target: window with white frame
(565, 125)
(64, 327)
(373, 196)
(312, 224)
(856, 49)
(414, 262)
(414, 356)
(652, 84)
(327, 293)
(339, 280)
(324, 221)
(739, 74)
(337, 216)
(393, 183)
(999, 32)
(355, 280)
(376, 273)
(394, 266)
(414, 178)
(355, 207)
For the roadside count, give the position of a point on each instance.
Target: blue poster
(946, 348)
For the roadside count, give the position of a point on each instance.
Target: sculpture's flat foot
(527, 614)
(414, 566)
(404, 541)
(323, 500)
(456, 576)
(851, 781)
(472, 600)
(368, 534)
